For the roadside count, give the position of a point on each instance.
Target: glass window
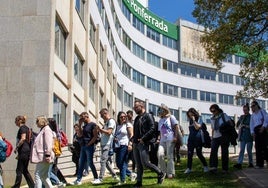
(170, 66)
(92, 33)
(153, 84)
(59, 112)
(189, 93)
(152, 34)
(125, 11)
(126, 40)
(188, 70)
(92, 88)
(126, 69)
(153, 59)
(207, 96)
(80, 8)
(138, 77)
(242, 101)
(175, 113)
(169, 42)
(101, 55)
(138, 50)
(239, 60)
(75, 117)
(261, 103)
(78, 68)
(119, 92)
(128, 99)
(206, 118)
(184, 116)
(170, 89)
(239, 81)
(226, 99)
(138, 24)
(228, 59)
(227, 78)
(207, 74)
(101, 99)
(60, 41)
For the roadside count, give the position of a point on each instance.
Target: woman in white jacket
(42, 153)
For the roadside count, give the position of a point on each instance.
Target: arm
(95, 136)
(130, 134)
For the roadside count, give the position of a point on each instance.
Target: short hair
(103, 110)
(130, 112)
(84, 114)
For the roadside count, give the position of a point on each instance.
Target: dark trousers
(141, 156)
(260, 146)
(22, 168)
(191, 146)
(153, 148)
(215, 144)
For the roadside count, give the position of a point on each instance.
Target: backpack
(64, 139)
(228, 131)
(9, 147)
(56, 147)
(206, 139)
(3, 149)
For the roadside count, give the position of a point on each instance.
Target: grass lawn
(195, 179)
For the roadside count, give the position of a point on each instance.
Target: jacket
(144, 128)
(42, 146)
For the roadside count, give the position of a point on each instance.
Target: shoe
(133, 176)
(137, 185)
(61, 184)
(161, 178)
(250, 165)
(121, 183)
(206, 169)
(187, 171)
(76, 182)
(96, 181)
(170, 176)
(213, 170)
(116, 178)
(238, 166)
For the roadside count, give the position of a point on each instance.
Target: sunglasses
(122, 117)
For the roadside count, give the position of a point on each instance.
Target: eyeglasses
(121, 117)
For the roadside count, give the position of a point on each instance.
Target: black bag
(228, 131)
(206, 139)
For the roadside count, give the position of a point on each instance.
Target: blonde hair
(165, 111)
(42, 120)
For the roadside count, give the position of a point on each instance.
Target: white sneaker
(116, 178)
(96, 181)
(133, 176)
(76, 182)
(187, 171)
(206, 169)
(61, 184)
(121, 183)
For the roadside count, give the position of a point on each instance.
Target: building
(59, 58)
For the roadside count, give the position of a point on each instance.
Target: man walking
(144, 130)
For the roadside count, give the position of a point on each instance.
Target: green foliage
(241, 23)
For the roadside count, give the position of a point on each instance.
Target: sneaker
(61, 184)
(116, 178)
(133, 176)
(121, 183)
(238, 166)
(187, 171)
(206, 169)
(161, 178)
(170, 176)
(250, 165)
(76, 182)
(96, 181)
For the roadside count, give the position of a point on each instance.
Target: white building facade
(60, 58)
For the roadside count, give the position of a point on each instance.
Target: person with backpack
(219, 121)
(89, 134)
(23, 150)
(167, 126)
(107, 136)
(144, 131)
(195, 140)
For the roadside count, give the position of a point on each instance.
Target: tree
(237, 27)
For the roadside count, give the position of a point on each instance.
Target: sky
(171, 10)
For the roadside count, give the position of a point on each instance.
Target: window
(153, 109)
(154, 35)
(228, 59)
(80, 8)
(60, 41)
(100, 8)
(138, 77)
(101, 100)
(169, 42)
(153, 59)
(175, 113)
(207, 74)
(78, 68)
(92, 33)
(184, 116)
(227, 78)
(125, 11)
(226, 99)
(239, 81)
(206, 118)
(126, 69)
(101, 55)
(126, 40)
(261, 103)
(109, 72)
(75, 117)
(188, 70)
(138, 24)
(170, 66)
(92, 88)
(119, 92)
(128, 99)
(153, 84)
(239, 60)
(170, 89)
(138, 50)
(207, 96)
(242, 101)
(189, 93)
(59, 112)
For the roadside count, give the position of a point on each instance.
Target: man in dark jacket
(144, 131)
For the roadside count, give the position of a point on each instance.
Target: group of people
(135, 140)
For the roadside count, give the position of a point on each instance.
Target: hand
(129, 147)
(141, 141)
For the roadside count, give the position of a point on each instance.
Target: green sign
(151, 20)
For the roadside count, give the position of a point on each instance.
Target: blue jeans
(53, 178)
(121, 162)
(213, 159)
(86, 156)
(242, 151)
